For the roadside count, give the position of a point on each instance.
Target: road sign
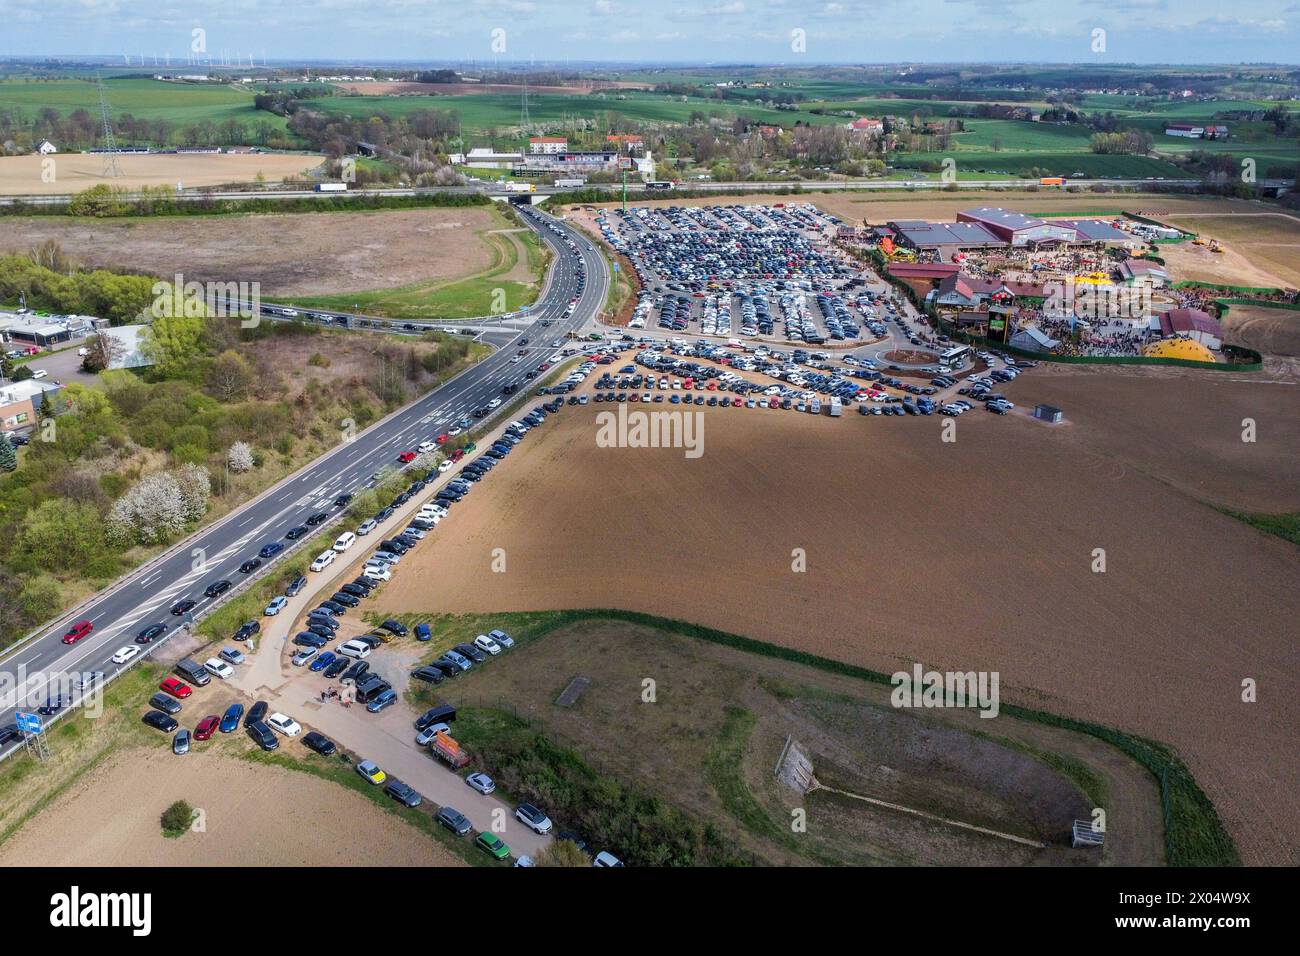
(28, 723)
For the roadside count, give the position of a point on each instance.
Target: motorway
(215, 552)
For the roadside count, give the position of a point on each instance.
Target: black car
(354, 590)
(337, 667)
(394, 627)
(347, 600)
(472, 652)
(383, 515)
(403, 793)
(216, 588)
(262, 736)
(149, 633)
(442, 713)
(317, 518)
(334, 606)
(356, 671)
(251, 565)
(53, 705)
(320, 629)
(576, 840)
(453, 820)
(342, 501)
(432, 675)
(10, 732)
(166, 703)
(183, 606)
(308, 639)
(256, 713)
(160, 721)
(372, 641)
(448, 666)
(319, 743)
(247, 630)
(293, 534)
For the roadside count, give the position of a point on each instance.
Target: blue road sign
(28, 723)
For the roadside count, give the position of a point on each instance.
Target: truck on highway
(1052, 181)
(448, 751)
(331, 187)
(659, 184)
(521, 188)
(570, 183)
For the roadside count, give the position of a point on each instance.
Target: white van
(323, 560)
(346, 540)
(358, 650)
(40, 373)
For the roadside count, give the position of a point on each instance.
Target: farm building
(1033, 339)
(1143, 272)
(1186, 130)
(1192, 324)
(1014, 228)
(46, 148)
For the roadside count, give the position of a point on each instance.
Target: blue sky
(761, 31)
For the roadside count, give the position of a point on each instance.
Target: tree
(195, 486)
(66, 535)
(240, 458)
(173, 341)
(8, 457)
(229, 376)
(152, 512)
(561, 853)
(101, 352)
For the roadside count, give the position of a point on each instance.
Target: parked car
(394, 627)
(207, 727)
(320, 744)
(493, 845)
(403, 793)
(277, 605)
(168, 705)
(218, 668)
(176, 687)
(284, 724)
(453, 820)
(371, 772)
(384, 700)
(181, 743)
(256, 712)
(533, 818)
(232, 656)
(262, 736)
(247, 630)
(481, 782)
(230, 719)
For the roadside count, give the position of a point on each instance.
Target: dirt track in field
(289, 254)
(976, 554)
(254, 816)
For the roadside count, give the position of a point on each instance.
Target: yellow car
(370, 770)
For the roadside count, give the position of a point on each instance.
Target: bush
(176, 819)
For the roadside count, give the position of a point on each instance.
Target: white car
(303, 656)
(453, 432)
(218, 668)
(124, 654)
(485, 643)
(367, 526)
(606, 859)
(425, 736)
(346, 540)
(495, 403)
(481, 782)
(445, 465)
(284, 724)
(323, 560)
(425, 447)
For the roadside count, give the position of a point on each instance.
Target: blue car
(423, 632)
(386, 699)
(271, 550)
(230, 721)
(322, 661)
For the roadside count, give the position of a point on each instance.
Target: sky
(1193, 32)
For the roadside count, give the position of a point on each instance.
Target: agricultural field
(73, 172)
(1049, 498)
(180, 104)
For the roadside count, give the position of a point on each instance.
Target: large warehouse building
(991, 227)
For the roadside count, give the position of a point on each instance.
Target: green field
(181, 104)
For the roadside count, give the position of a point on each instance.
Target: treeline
(67, 289)
(1130, 142)
(103, 201)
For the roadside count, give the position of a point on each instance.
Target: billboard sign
(28, 723)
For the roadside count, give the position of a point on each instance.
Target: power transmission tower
(111, 169)
(524, 120)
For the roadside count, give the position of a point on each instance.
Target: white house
(46, 147)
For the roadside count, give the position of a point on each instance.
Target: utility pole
(111, 169)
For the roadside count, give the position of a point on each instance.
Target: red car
(736, 403)
(77, 632)
(176, 687)
(207, 727)
(442, 439)
(544, 366)
(458, 454)
(406, 457)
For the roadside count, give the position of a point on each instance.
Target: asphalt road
(145, 596)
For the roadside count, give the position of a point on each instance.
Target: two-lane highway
(43, 663)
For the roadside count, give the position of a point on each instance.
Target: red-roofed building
(923, 270)
(547, 144)
(1192, 324)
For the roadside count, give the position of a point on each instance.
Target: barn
(1015, 228)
